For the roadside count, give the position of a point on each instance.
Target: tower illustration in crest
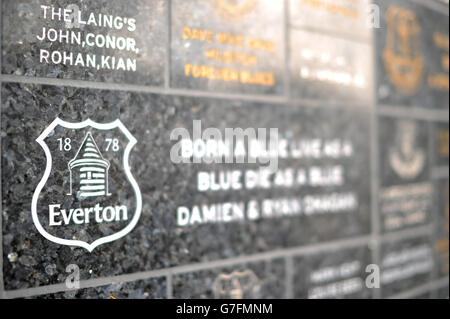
(89, 170)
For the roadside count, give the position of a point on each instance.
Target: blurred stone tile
(332, 16)
(336, 274)
(412, 47)
(441, 245)
(406, 264)
(259, 280)
(143, 289)
(329, 68)
(405, 190)
(442, 293)
(228, 46)
(426, 295)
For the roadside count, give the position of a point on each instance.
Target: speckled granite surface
(260, 280)
(309, 69)
(423, 57)
(147, 289)
(405, 264)
(24, 24)
(229, 37)
(158, 242)
(332, 274)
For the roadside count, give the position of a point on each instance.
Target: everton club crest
(237, 285)
(402, 55)
(87, 196)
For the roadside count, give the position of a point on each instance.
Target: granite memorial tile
(107, 41)
(329, 68)
(228, 46)
(441, 245)
(313, 190)
(405, 188)
(144, 289)
(412, 46)
(334, 274)
(406, 264)
(122, 193)
(259, 280)
(350, 16)
(27, 111)
(441, 144)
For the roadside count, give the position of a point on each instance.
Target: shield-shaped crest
(402, 55)
(406, 158)
(88, 195)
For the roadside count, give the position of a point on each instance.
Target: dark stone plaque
(190, 214)
(329, 68)
(405, 264)
(120, 41)
(335, 274)
(412, 46)
(441, 244)
(224, 149)
(263, 280)
(405, 190)
(232, 46)
(145, 289)
(332, 16)
(441, 144)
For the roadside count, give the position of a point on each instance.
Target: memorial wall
(224, 149)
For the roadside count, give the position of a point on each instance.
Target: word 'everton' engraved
(79, 216)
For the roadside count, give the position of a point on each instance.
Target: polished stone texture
(404, 173)
(263, 280)
(158, 242)
(329, 68)
(395, 134)
(409, 85)
(362, 179)
(145, 289)
(441, 245)
(423, 296)
(443, 293)
(230, 29)
(23, 21)
(351, 16)
(406, 264)
(440, 137)
(332, 274)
